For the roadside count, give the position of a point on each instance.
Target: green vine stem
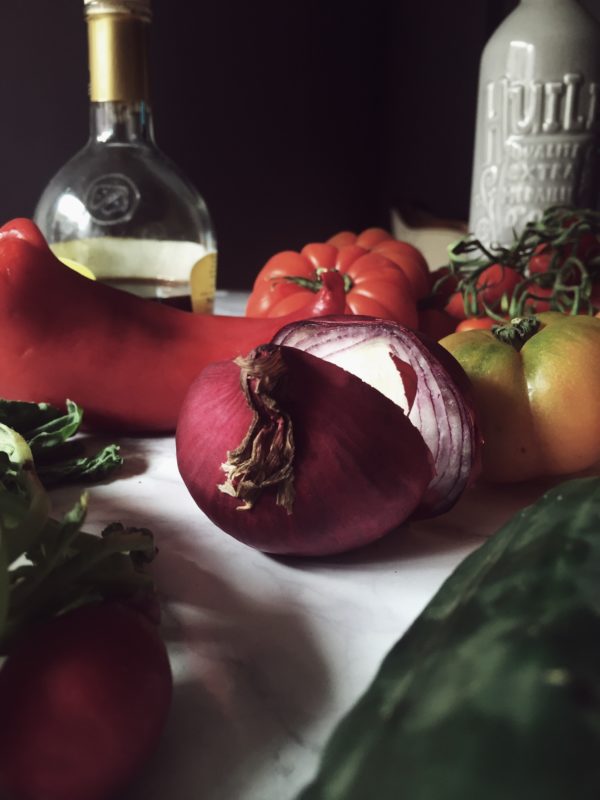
(559, 234)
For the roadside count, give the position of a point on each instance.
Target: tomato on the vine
(456, 306)
(494, 283)
(376, 285)
(476, 323)
(538, 298)
(491, 287)
(541, 259)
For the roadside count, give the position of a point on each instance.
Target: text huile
(544, 132)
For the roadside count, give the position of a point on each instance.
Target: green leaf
(56, 431)
(25, 417)
(24, 505)
(85, 468)
(48, 431)
(68, 567)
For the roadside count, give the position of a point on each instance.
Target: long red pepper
(126, 360)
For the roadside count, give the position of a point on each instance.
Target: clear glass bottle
(119, 206)
(537, 138)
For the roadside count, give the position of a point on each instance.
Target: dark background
(294, 119)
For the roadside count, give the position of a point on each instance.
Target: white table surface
(269, 653)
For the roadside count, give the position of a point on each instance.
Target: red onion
(379, 351)
(293, 455)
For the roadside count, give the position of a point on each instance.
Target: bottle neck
(121, 123)
(119, 96)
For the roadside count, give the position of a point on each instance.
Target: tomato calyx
(518, 331)
(316, 284)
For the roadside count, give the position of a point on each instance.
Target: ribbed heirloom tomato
(382, 277)
(536, 386)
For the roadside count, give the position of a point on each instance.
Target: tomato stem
(316, 284)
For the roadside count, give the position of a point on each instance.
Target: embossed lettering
(572, 121)
(526, 107)
(553, 91)
(540, 149)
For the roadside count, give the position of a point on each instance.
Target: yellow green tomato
(536, 383)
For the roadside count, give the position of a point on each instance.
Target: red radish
(442, 411)
(83, 701)
(327, 463)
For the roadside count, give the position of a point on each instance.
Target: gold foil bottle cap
(137, 8)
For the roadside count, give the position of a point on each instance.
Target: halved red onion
(377, 351)
(293, 455)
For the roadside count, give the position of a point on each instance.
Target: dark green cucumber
(494, 692)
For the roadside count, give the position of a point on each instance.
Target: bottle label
(540, 149)
(112, 199)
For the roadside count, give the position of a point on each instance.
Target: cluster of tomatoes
(553, 265)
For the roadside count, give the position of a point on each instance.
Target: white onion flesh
(370, 361)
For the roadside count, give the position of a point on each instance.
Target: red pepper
(126, 360)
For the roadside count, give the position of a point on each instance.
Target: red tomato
(377, 286)
(403, 254)
(260, 302)
(83, 700)
(492, 285)
(544, 255)
(588, 246)
(476, 323)
(495, 282)
(541, 259)
(456, 306)
(539, 299)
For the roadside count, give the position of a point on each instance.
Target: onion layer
(378, 352)
(293, 455)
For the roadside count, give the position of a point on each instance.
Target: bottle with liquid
(537, 138)
(119, 206)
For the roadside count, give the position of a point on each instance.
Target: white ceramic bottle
(120, 206)
(537, 138)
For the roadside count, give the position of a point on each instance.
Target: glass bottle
(119, 206)
(538, 111)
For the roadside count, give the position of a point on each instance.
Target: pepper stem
(517, 332)
(265, 456)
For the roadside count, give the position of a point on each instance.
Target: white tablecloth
(269, 653)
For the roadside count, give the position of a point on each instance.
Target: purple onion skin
(443, 410)
(360, 466)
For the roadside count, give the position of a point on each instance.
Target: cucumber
(494, 691)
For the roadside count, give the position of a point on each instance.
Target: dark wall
(294, 120)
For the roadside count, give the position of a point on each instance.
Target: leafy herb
(49, 566)
(48, 432)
